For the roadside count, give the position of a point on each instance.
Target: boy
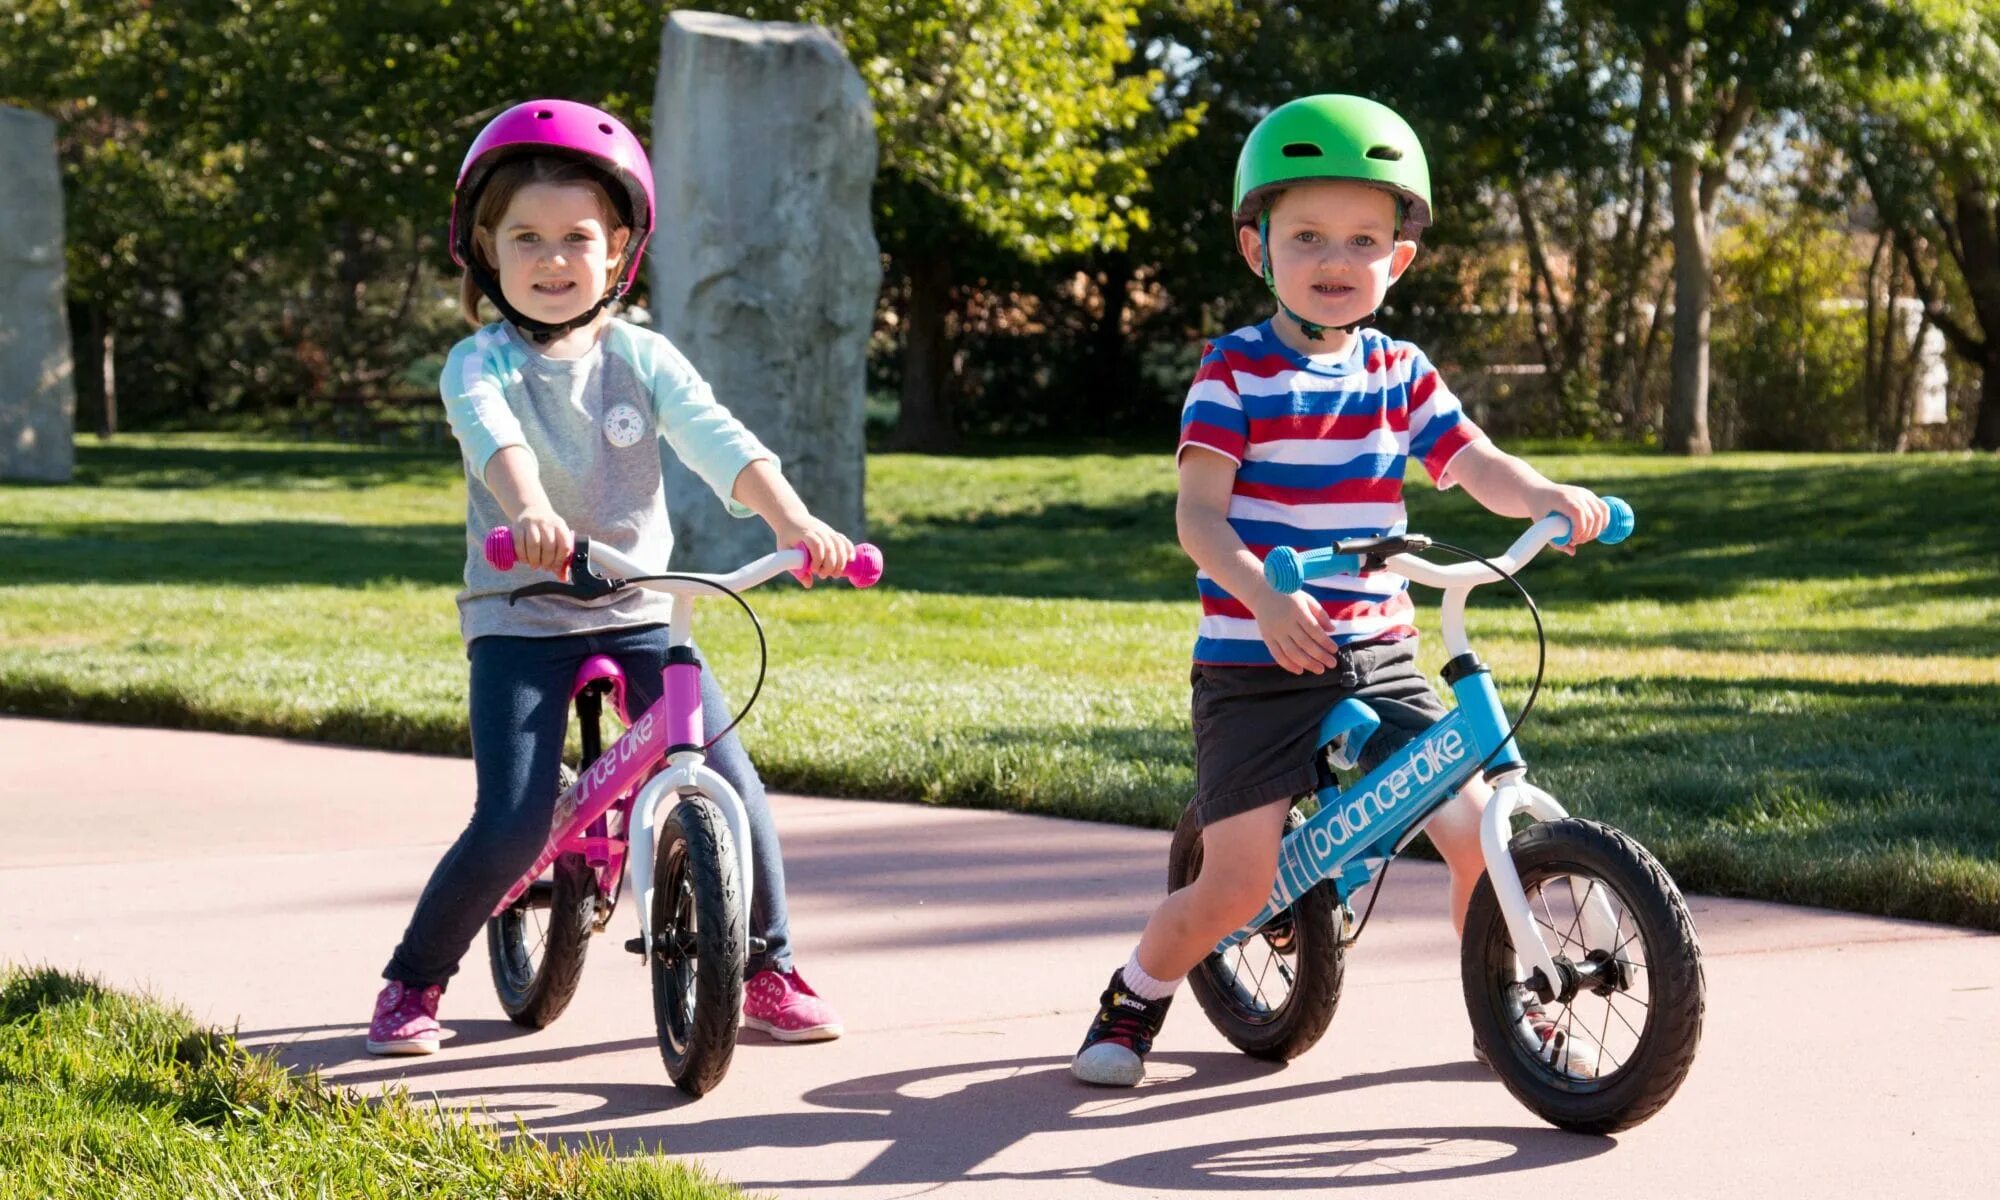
(1295, 433)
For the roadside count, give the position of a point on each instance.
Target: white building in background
(1933, 377)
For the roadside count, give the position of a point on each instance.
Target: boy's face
(552, 252)
(1334, 251)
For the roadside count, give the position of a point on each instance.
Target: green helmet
(1334, 137)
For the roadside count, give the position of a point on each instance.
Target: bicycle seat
(600, 668)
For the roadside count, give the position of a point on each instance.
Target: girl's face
(1334, 251)
(552, 252)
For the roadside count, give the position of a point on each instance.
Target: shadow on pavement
(938, 1125)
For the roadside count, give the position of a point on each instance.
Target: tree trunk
(87, 354)
(1986, 426)
(1109, 359)
(925, 420)
(1687, 403)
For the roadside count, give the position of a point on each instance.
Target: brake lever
(1376, 552)
(582, 584)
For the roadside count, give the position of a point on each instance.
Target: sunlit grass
(1785, 683)
(106, 1094)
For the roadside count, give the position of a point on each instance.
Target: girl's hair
(501, 187)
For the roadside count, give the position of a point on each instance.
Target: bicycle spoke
(1576, 922)
(1621, 1017)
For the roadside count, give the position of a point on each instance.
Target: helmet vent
(543, 114)
(1303, 150)
(604, 129)
(1386, 153)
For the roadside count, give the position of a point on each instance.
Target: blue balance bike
(1581, 970)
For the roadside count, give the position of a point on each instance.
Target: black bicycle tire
(1677, 999)
(533, 993)
(1302, 1019)
(694, 838)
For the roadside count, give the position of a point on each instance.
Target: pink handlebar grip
(863, 571)
(500, 548)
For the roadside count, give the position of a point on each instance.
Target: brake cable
(1541, 662)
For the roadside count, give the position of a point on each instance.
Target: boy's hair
(1250, 213)
(499, 191)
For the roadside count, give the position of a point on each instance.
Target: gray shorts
(1256, 728)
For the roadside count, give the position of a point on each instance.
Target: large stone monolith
(765, 266)
(37, 395)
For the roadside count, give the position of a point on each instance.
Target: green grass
(105, 1094)
(1785, 683)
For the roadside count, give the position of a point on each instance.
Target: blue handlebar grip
(1286, 570)
(1622, 522)
(1282, 570)
(1616, 530)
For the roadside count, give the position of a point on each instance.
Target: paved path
(262, 883)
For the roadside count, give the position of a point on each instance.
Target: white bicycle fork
(1512, 794)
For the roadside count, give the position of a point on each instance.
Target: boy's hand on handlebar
(542, 540)
(829, 549)
(1588, 515)
(1296, 630)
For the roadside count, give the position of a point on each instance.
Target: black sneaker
(1114, 1051)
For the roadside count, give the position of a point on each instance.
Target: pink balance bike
(647, 797)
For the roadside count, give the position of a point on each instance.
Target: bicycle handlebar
(863, 571)
(1288, 570)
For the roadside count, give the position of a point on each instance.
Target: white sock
(1145, 986)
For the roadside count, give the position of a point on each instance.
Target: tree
(1719, 66)
(1923, 132)
(256, 193)
(1013, 121)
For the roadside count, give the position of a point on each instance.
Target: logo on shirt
(624, 425)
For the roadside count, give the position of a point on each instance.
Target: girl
(553, 407)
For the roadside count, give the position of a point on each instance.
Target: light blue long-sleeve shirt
(591, 424)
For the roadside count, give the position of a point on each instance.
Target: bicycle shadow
(329, 1051)
(939, 1125)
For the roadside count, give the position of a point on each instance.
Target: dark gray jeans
(520, 707)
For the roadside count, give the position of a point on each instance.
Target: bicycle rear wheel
(1627, 1016)
(536, 948)
(699, 945)
(1272, 996)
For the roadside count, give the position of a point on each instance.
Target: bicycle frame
(1357, 830)
(670, 731)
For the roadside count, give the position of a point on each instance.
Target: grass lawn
(103, 1094)
(1785, 683)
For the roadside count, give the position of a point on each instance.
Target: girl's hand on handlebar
(542, 540)
(828, 548)
(1588, 515)
(1297, 631)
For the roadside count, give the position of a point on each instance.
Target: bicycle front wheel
(699, 945)
(1617, 1040)
(1272, 996)
(537, 946)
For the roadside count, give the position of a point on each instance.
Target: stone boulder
(37, 393)
(765, 267)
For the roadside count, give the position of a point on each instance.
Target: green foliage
(1920, 118)
(1787, 350)
(1021, 116)
(105, 1094)
(256, 193)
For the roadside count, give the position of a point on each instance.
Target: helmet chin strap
(1313, 332)
(541, 331)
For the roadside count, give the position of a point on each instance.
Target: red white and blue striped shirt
(1320, 445)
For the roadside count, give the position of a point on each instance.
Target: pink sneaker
(405, 1020)
(784, 1005)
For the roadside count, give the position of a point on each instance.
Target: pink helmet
(567, 129)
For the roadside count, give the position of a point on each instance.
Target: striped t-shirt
(1320, 443)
